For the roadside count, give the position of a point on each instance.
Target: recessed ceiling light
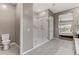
(4, 6)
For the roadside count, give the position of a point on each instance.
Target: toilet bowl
(5, 44)
(5, 41)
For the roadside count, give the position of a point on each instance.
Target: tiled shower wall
(40, 28)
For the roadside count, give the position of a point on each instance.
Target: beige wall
(7, 20)
(17, 23)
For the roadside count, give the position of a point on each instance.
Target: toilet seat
(4, 41)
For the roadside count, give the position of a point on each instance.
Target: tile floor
(54, 47)
(13, 50)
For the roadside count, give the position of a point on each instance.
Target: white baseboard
(35, 47)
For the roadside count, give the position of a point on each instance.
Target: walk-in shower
(35, 27)
(41, 27)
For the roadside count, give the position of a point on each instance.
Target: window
(65, 23)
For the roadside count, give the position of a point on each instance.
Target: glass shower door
(40, 29)
(44, 28)
(35, 31)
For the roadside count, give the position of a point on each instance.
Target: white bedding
(67, 34)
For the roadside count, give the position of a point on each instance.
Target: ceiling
(54, 7)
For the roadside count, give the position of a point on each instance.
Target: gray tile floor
(54, 47)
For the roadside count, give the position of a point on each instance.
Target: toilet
(5, 41)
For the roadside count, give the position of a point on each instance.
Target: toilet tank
(5, 36)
